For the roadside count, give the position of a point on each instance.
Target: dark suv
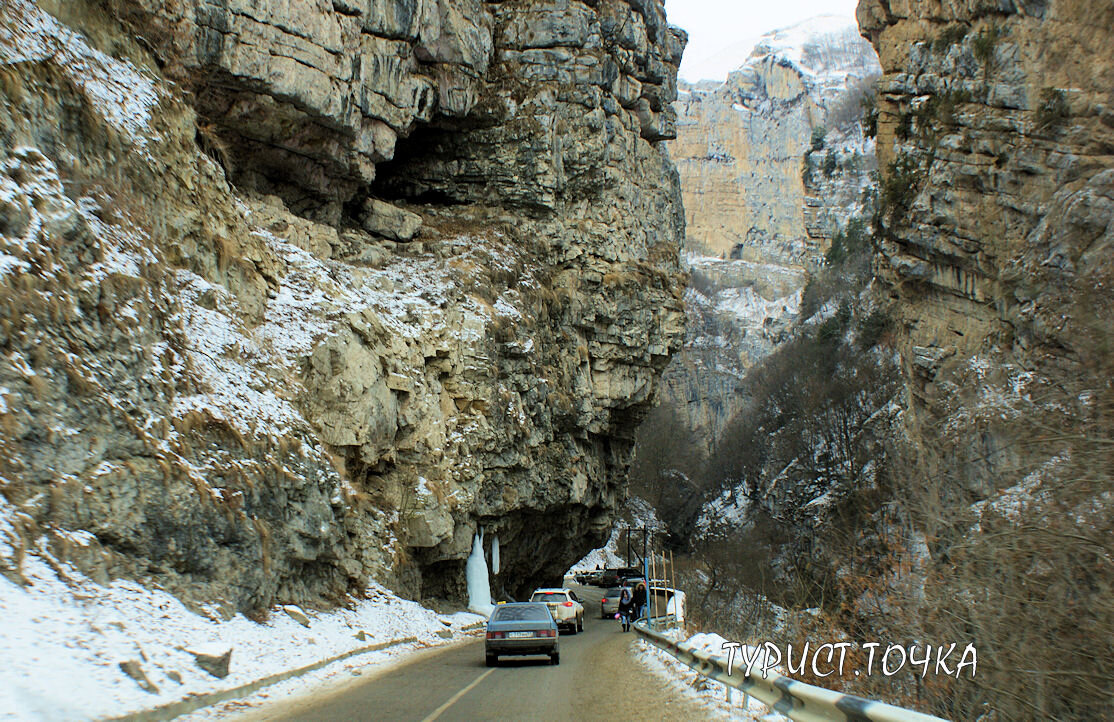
(615, 577)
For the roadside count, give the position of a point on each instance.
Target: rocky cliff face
(756, 225)
(303, 294)
(996, 142)
(739, 145)
(997, 138)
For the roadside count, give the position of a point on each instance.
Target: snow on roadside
(317, 682)
(709, 694)
(65, 638)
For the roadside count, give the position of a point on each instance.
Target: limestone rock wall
(742, 166)
(303, 294)
(756, 226)
(996, 139)
(740, 143)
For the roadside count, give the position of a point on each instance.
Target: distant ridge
(789, 41)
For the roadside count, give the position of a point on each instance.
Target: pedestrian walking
(639, 598)
(626, 608)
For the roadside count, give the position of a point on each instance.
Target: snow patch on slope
(639, 514)
(727, 512)
(752, 310)
(62, 660)
(115, 88)
(606, 557)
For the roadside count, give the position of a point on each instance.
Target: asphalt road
(597, 679)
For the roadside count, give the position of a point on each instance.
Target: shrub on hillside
(852, 105)
(1052, 110)
(703, 283)
(817, 142)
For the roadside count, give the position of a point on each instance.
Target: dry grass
(264, 533)
(213, 145)
(622, 279)
(502, 329)
(203, 422)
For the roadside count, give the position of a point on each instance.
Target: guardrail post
(646, 576)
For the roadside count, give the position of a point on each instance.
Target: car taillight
(496, 635)
(568, 604)
(547, 633)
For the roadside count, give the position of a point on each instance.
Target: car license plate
(519, 635)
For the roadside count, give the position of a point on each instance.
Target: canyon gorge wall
(928, 455)
(756, 225)
(996, 133)
(739, 144)
(298, 295)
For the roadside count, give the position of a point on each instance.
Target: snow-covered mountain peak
(825, 50)
(827, 46)
(822, 44)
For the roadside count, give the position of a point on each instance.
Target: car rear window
(614, 592)
(520, 614)
(549, 597)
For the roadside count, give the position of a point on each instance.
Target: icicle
(495, 554)
(479, 588)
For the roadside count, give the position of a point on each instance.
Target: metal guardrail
(784, 695)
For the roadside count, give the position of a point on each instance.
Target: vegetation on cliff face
(802, 463)
(993, 249)
(979, 511)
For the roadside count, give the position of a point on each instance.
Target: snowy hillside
(121, 647)
(827, 47)
(638, 515)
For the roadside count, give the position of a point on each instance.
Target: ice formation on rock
(495, 555)
(479, 587)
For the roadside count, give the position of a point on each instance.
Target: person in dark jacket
(626, 608)
(639, 599)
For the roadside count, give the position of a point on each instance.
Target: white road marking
(452, 700)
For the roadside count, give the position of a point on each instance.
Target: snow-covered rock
(232, 370)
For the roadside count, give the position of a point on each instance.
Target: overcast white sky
(721, 32)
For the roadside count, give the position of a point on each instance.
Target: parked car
(609, 605)
(615, 577)
(587, 577)
(566, 609)
(520, 628)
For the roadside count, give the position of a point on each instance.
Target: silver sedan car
(521, 628)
